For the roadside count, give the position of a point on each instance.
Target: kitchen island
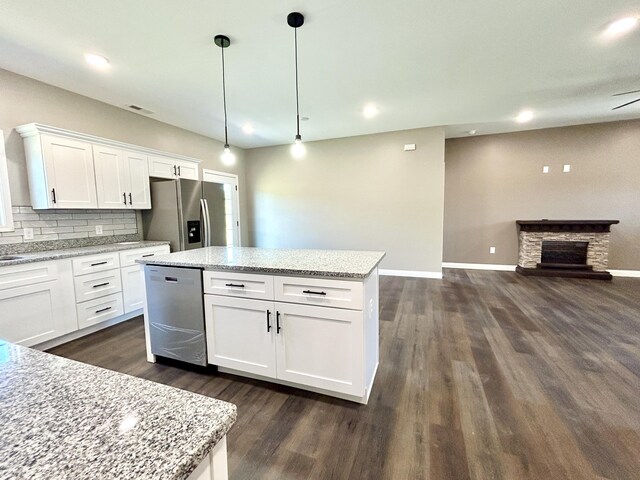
(63, 419)
(304, 318)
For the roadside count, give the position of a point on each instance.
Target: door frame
(230, 178)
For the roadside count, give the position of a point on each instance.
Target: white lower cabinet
(320, 347)
(36, 302)
(240, 334)
(99, 310)
(332, 350)
(132, 288)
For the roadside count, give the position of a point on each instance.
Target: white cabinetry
(166, 167)
(36, 302)
(122, 178)
(320, 334)
(61, 173)
(133, 275)
(74, 170)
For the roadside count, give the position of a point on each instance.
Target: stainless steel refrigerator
(188, 213)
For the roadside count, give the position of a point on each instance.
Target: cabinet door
(321, 347)
(188, 170)
(133, 288)
(240, 334)
(36, 302)
(138, 173)
(162, 167)
(112, 177)
(70, 172)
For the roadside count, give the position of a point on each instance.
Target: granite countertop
(46, 255)
(63, 419)
(321, 263)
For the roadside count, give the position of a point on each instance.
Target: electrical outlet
(492, 249)
(566, 168)
(28, 233)
(545, 169)
(98, 229)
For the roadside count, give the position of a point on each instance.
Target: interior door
(213, 194)
(138, 173)
(231, 202)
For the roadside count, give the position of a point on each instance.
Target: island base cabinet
(240, 334)
(320, 347)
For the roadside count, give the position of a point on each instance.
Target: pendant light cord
(224, 99)
(295, 36)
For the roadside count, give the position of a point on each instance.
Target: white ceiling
(462, 64)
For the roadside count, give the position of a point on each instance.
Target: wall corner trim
(410, 273)
(625, 273)
(480, 266)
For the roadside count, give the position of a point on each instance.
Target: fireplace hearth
(564, 248)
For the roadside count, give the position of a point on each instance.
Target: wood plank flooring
(483, 375)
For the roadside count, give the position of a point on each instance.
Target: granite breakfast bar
(63, 419)
(304, 318)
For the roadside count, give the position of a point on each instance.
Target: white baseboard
(409, 273)
(480, 266)
(625, 273)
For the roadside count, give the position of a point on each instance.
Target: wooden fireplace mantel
(586, 226)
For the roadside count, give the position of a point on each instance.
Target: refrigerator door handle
(208, 225)
(205, 223)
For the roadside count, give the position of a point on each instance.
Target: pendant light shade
(295, 20)
(227, 157)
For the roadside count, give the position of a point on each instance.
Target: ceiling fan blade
(625, 104)
(625, 93)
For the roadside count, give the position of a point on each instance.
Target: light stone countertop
(320, 263)
(46, 255)
(62, 419)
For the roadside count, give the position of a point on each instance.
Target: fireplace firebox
(563, 254)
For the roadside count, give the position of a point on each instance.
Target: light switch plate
(28, 233)
(566, 168)
(492, 249)
(409, 147)
(98, 229)
(545, 169)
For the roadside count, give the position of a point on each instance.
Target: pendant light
(296, 20)
(227, 157)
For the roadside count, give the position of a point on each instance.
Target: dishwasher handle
(171, 279)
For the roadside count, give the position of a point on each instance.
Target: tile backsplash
(53, 229)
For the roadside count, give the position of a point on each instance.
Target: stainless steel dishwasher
(176, 313)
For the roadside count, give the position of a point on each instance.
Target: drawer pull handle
(124, 195)
(171, 279)
(268, 323)
(278, 328)
(314, 293)
(99, 263)
(148, 255)
(103, 309)
(238, 285)
(101, 285)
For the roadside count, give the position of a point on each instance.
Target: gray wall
(493, 180)
(25, 100)
(357, 193)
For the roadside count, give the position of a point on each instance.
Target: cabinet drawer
(96, 285)
(95, 263)
(244, 285)
(99, 310)
(129, 257)
(319, 291)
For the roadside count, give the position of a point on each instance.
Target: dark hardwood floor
(482, 375)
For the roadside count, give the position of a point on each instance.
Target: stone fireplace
(564, 248)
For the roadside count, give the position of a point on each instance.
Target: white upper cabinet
(74, 170)
(122, 178)
(167, 167)
(63, 173)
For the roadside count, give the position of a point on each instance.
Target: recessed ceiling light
(248, 129)
(524, 116)
(96, 60)
(621, 26)
(472, 132)
(370, 111)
